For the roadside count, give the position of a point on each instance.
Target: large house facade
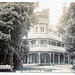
(46, 46)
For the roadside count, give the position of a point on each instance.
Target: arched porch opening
(45, 58)
(55, 58)
(61, 59)
(33, 58)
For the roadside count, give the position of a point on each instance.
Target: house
(46, 45)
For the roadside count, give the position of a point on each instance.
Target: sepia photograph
(37, 37)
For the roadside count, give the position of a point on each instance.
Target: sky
(55, 10)
(54, 6)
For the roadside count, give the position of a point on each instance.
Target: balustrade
(46, 47)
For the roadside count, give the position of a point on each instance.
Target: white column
(39, 59)
(39, 42)
(50, 57)
(45, 59)
(53, 58)
(56, 43)
(33, 58)
(58, 58)
(27, 58)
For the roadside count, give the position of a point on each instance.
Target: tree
(67, 30)
(15, 20)
(4, 38)
(24, 49)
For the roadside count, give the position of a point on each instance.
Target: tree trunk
(11, 59)
(5, 59)
(16, 61)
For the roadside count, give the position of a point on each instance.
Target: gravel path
(33, 68)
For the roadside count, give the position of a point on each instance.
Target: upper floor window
(53, 43)
(36, 29)
(59, 44)
(42, 29)
(43, 42)
(62, 45)
(33, 42)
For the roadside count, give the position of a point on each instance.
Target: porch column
(50, 57)
(53, 58)
(45, 58)
(58, 58)
(33, 58)
(39, 59)
(64, 58)
(28, 58)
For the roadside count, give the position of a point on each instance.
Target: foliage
(15, 22)
(24, 48)
(16, 16)
(67, 29)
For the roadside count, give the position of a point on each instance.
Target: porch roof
(44, 36)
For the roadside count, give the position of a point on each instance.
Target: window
(59, 44)
(42, 29)
(33, 42)
(43, 42)
(62, 45)
(36, 29)
(53, 43)
(49, 42)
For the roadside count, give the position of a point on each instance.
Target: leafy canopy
(67, 28)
